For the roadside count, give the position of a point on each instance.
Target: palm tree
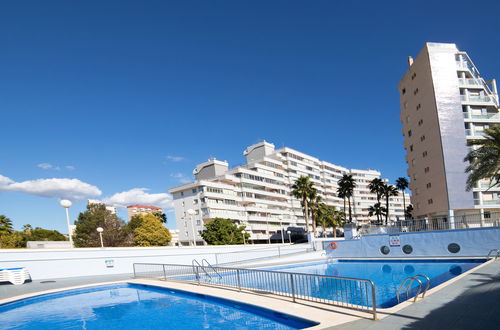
(322, 215)
(409, 212)
(314, 201)
(389, 190)
(5, 227)
(377, 210)
(337, 219)
(301, 190)
(376, 186)
(485, 159)
(402, 184)
(27, 229)
(346, 189)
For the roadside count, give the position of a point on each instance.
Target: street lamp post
(100, 230)
(244, 232)
(67, 204)
(282, 230)
(289, 237)
(192, 212)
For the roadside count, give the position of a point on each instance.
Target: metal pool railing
(352, 293)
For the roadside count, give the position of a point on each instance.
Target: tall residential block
(141, 209)
(258, 194)
(444, 103)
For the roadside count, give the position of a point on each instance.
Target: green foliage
(409, 212)
(302, 189)
(223, 232)
(149, 231)
(484, 160)
(40, 234)
(388, 191)
(13, 240)
(161, 216)
(5, 228)
(95, 216)
(377, 210)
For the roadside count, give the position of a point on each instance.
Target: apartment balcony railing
(469, 132)
(493, 116)
(477, 99)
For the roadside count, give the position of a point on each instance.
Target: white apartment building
(258, 194)
(112, 209)
(444, 103)
(141, 209)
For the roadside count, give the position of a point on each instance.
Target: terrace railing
(351, 293)
(435, 223)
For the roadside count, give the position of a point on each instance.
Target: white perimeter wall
(473, 243)
(59, 263)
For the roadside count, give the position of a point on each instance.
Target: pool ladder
(204, 263)
(410, 280)
(490, 254)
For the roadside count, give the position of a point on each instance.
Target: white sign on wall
(394, 240)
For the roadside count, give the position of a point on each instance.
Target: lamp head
(65, 203)
(99, 229)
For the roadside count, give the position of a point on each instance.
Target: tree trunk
(350, 212)
(387, 209)
(306, 214)
(314, 223)
(404, 205)
(335, 231)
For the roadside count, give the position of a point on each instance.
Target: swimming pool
(134, 306)
(387, 274)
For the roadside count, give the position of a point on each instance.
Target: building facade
(258, 194)
(141, 209)
(444, 103)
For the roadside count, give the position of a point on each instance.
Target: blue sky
(122, 95)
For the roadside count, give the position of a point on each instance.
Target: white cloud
(48, 166)
(181, 177)
(45, 166)
(139, 196)
(73, 189)
(175, 158)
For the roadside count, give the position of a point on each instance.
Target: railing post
(374, 301)
(238, 278)
(293, 287)
(198, 275)
(164, 273)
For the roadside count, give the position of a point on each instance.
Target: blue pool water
(388, 275)
(132, 306)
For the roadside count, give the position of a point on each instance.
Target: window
(411, 147)
(429, 185)
(413, 75)
(409, 133)
(415, 92)
(403, 91)
(430, 201)
(418, 107)
(182, 193)
(424, 154)
(426, 170)
(195, 201)
(193, 191)
(422, 138)
(420, 122)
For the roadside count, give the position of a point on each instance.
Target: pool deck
(469, 302)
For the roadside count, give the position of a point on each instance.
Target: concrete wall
(473, 243)
(59, 263)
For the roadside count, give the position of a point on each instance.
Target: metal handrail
(211, 267)
(494, 250)
(408, 288)
(428, 283)
(353, 293)
(195, 269)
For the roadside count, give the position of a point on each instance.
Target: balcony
(486, 116)
(488, 202)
